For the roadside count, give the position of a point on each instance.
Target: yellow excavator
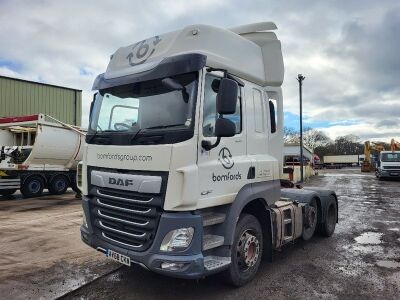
(368, 146)
(394, 145)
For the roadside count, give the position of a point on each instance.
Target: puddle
(391, 264)
(369, 238)
(394, 229)
(368, 249)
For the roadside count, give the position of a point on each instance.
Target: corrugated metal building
(22, 97)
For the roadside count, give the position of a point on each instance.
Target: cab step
(211, 241)
(211, 218)
(216, 262)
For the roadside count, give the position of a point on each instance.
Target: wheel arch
(254, 199)
(28, 175)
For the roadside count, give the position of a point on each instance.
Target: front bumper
(387, 173)
(152, 258)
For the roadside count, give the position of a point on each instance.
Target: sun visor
(169, 66)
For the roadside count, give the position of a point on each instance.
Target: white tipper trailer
(181, 171)
(37, 152)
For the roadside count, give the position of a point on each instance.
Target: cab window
(210, 114)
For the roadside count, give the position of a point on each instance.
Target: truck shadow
(139, 283)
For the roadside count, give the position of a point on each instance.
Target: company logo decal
(225, 158)
(142, 51)
(119, 181)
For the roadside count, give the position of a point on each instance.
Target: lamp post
(300, 79)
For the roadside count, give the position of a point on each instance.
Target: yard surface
(42, 255)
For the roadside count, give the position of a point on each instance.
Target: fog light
(172, 266)
(177, 240)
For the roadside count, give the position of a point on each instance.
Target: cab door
(223, 170)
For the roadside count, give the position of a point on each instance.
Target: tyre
(310, 220)
(32, 186)
(7, 192)
(58, 185)
(247, 251)
(328, 227)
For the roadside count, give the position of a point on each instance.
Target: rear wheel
(7, 192)
(247, 251)
(310, 220)
(32, 186)
(58, 185)
(328, 227)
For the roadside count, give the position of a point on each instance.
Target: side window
(273, 112)
(210, 114)
(258, 111)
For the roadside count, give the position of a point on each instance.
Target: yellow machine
(394, 145)
(368, 146)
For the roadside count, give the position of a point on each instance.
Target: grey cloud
(54, 39)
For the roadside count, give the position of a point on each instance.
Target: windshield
(390, 157)
(138, 107)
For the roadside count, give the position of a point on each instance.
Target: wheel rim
(34, 186)
(248, 250)
(60, 185)
(312, 217)
(331, 217)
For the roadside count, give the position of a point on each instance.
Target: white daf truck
(181, 172)
(38, 152)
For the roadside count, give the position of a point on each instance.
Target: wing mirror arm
(208, 146)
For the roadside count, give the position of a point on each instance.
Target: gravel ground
(360, 261)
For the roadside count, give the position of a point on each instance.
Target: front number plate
(119, 257)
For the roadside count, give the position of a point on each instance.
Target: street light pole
(300, 79)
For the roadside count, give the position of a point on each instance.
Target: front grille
(124, 218)
(391, 167)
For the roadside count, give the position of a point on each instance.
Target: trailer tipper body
(181, 171)
(38, 152)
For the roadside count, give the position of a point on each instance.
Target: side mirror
(224, 128)
(227, 96)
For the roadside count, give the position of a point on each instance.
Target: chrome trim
(120, 231)
(122, 198)
(104, 235)
(121, 220)
(122, 208)
(100, 249)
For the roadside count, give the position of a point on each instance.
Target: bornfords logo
(225, 158)
(227, 177)
(119, 181)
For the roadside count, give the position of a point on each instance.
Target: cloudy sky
(348, 50)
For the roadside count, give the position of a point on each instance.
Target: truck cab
(388, 165)
(181, 171)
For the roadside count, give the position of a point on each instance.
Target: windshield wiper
(164, 126)
(135, 135)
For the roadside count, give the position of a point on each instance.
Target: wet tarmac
(360, 261)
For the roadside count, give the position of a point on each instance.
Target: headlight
(84, 220)
(177, 240)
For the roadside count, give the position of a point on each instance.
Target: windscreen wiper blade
(164, 126)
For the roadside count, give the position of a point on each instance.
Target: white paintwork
(256, 57)
(55, 147)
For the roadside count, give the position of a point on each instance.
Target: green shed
(20, 97)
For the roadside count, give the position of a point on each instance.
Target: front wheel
(247, 251)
